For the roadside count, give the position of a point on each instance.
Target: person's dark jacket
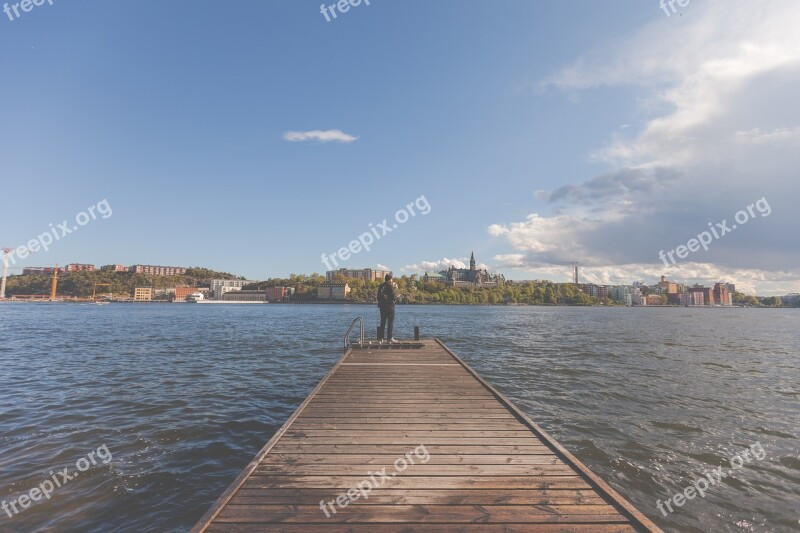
(387, 297)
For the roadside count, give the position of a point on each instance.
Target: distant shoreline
(340, 302)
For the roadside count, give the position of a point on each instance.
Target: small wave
(676, 426)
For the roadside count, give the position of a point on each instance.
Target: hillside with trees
(413, 290)
(81, 284)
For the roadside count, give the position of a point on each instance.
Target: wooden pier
(490, 467)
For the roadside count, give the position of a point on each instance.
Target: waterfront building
(637, 298)
(277, 294)
(142, 294)
(722, 295)
(331, 290)
(220, 286)
(157, 270)
(708, 294)
(467, 277)
(691, 299)
(668, 287)
(623, 294)
(245, 296)
(364, 274)
(655, 299)
(77, 267)
(595, 291)
(182, 292)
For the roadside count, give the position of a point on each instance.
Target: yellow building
(143, 294)
(333, 291)
(668, 286)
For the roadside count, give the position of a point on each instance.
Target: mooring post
(416, 333)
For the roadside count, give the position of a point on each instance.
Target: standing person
(387, 298)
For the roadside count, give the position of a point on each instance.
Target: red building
(34, 271)
(156, 270)
(77, 267)
(276, 294)
(182, 292)
(708, 294)
(722, 294)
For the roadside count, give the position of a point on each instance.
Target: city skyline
(376, 274)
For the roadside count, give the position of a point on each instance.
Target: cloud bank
(718, 128)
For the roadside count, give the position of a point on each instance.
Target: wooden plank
(418, 482)
(408, 433)
(428, 469)
(381, 426)
(388, 459)
(426, 496)
(423, 528)
(412, 441)
(398, 450)
(433, 514)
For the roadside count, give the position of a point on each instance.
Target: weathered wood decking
(490, 468)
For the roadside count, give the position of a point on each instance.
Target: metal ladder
(347, 335)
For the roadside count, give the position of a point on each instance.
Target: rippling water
(184, 396)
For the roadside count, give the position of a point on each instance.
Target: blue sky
(176, 112)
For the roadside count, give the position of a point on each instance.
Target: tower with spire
(466, 277)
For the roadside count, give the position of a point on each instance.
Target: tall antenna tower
(574, 272)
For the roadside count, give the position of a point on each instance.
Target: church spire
(472, 261)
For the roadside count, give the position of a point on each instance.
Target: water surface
(184, 396)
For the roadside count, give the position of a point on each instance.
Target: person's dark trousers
(387, 315)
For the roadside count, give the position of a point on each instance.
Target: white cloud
(776, 136)
(323, 136)
(382, 267)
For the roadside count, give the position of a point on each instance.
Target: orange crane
(94, 290)
(54, 285)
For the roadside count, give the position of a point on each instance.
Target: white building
(221, 286)
(637, 298)
(624, 294)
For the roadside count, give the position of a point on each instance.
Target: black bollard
(416, 333)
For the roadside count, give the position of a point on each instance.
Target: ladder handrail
(347, 335)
